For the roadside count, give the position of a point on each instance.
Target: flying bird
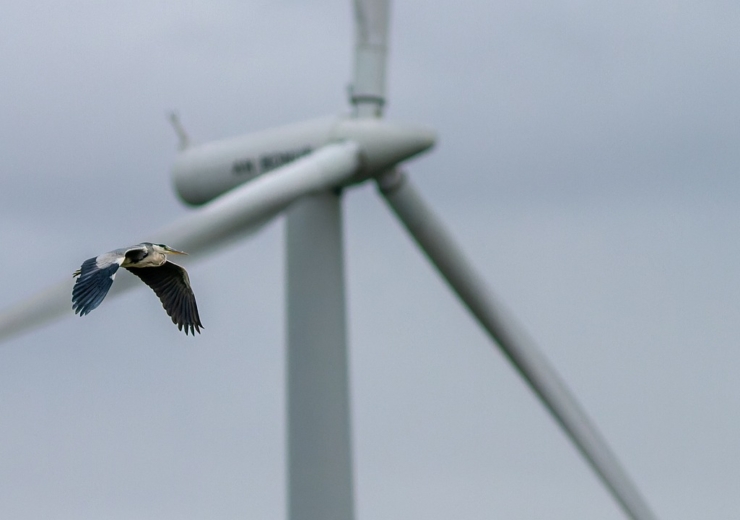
(149, 262)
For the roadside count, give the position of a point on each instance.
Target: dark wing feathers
(92, 285)
(172, 285)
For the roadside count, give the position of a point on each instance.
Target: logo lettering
(251, 167)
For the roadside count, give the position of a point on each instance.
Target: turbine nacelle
(203, 172)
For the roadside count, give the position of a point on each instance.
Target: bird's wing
(96, 275)
(94, 280)
(171, 283)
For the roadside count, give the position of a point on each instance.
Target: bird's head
(162, 248)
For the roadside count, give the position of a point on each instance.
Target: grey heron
(149, 262)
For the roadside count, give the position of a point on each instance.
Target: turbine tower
(303, 169)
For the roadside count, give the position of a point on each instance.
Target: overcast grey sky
(588, 163)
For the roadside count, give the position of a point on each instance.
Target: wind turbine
(302, 169)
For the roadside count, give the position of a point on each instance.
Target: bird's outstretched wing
(94, 279)
(171, 283)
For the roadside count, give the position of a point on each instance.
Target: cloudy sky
(587, 162)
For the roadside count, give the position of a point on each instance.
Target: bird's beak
(171, 251)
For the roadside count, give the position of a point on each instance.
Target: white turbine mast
(302, 168)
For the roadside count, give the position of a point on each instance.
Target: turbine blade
(371, 47)
(219, 222)
(440, 248)
(38, 310)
